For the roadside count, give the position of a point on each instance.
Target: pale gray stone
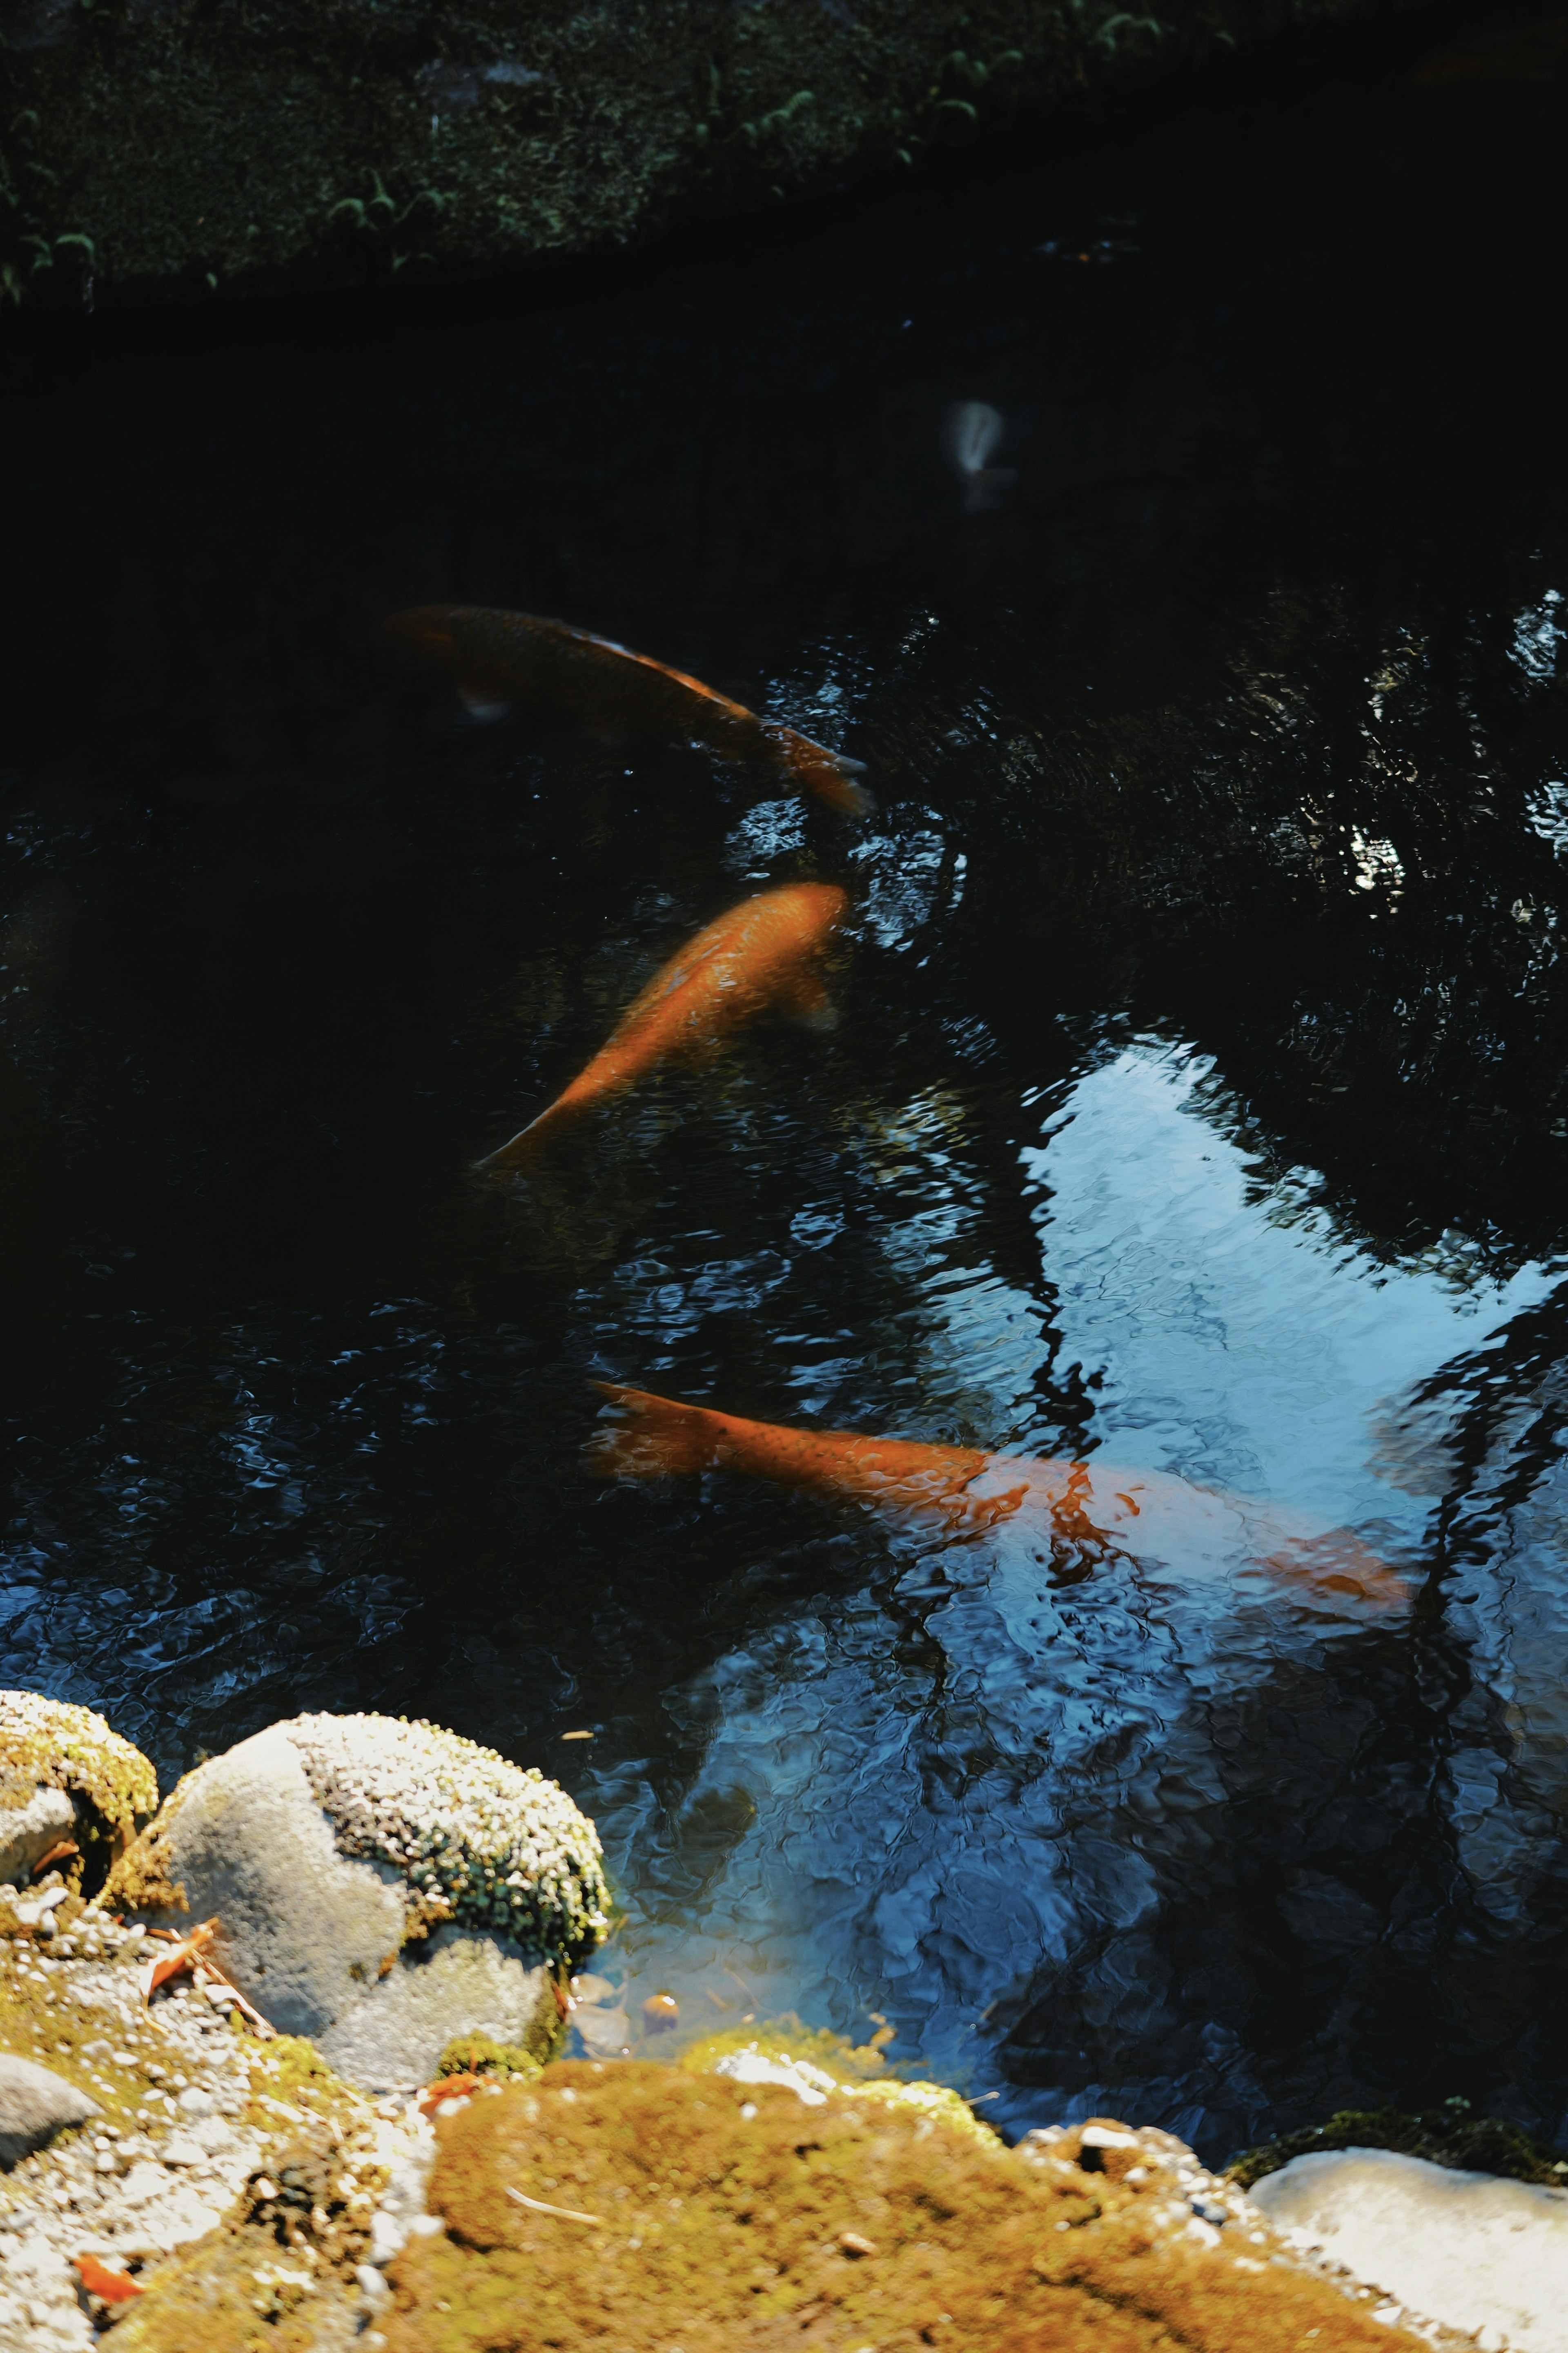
(453, 1983)
(35, 2104)
(29, 1832)
(303, 1929)
(1480, 2254)
(315, 1938)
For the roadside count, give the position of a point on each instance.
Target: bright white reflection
(1377, 864)
(1538, 635)
(1241, 1340)
(1547, 810)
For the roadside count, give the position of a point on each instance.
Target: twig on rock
(538, 2206)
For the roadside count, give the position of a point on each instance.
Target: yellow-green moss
(858, 2067)
(479, 2054)
(52, 1744)
(141, 1879)
(56, 2034)
(732, 2216)
(786, 2038)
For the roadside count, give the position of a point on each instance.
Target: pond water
(1198, 1099)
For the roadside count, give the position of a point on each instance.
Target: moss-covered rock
(166, 148)
(380, 1886)
(638, 2206)
(66, 1779)
(1449, 2135)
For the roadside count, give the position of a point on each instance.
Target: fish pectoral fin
(481, 706)
(811, 1006)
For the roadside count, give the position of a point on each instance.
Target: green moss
(724, 2214)
(1449, 2135)
(857, 2067)
(786, 2038)
(479, 2054)
(190, 152)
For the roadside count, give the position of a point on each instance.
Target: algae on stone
(637, 2206)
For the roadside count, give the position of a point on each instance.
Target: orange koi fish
(499, 657)
(761, 955)
(114, 2287)
(1074, 1514)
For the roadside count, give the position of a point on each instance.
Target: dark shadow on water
(1198, 1099)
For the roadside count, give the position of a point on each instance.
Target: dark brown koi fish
(1073, 1512)
(498, 658)
(762, 955)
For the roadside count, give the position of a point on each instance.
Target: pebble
(175, 2163)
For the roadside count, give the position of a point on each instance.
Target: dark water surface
(1201, 1094)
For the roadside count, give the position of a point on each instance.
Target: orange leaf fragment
(114, 2287)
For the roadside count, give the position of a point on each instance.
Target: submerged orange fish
(498, 658)
(762, 954)
(1078, 1516)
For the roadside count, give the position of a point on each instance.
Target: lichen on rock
(66, 1777)
(480, 1842)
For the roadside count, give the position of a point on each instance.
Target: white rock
(28, 1830)
(1467, 2249)
(303, 1930)
(458, 1984)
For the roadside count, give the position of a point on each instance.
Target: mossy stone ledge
(66, 1779)
(158, 150)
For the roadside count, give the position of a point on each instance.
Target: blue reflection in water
(923, 1788)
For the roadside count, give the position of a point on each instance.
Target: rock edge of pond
(233, 2190)
(158, 150)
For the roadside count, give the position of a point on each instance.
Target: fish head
(425, 628)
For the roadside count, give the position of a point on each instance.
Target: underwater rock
(155, 152)
(35, 2104)
(737, 2215)
(1480, 2253)
(381, 1886)
(64, 1778)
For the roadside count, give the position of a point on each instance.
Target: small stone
(854, 2244)
(659, 2013)
(35, 2104)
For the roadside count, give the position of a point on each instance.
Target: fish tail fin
(656, 1438)
(811, 1004)
(829, 775)
(520, 1152)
